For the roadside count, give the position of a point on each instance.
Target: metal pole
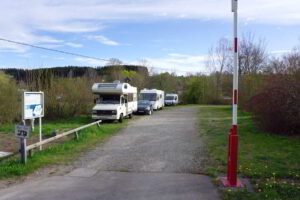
(32, 124)
(40, 131)
(235, 71)
(231, 179)
(233, 137)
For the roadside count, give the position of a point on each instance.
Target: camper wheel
(121, 118)
(130, 116)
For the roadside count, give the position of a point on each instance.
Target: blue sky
(170, 34)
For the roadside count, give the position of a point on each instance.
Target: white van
(156, 97)
(114, 101)
(171, 99)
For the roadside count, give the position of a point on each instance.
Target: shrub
(9, 99)
(249, 86)
(277, 106)
(68, 97)
(199, 90)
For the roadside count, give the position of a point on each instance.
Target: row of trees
(69, 96)
(269, 86)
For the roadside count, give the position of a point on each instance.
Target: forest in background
(269, 87)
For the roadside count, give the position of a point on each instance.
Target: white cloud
(31, 20)
(72, 44)
(71, 27)
(178, 63)
(9, 47)
(90, 61)
(280, 52)
(103, 40)
(60, 14)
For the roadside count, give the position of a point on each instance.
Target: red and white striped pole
(235, 64)
(231, 180)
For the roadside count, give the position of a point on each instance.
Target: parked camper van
(114, 101)
(171, 99)
(156, 97)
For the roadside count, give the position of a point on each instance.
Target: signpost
(32, 108)
(231, 180)
(23, 132)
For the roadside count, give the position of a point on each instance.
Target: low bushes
(277, 105)
(9, 99)
(64, 97)
(200, 90)
(68, 97)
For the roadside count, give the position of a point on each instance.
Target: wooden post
(77, 135)
(23, 150)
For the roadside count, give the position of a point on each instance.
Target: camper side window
(134, 97)
(97, 100)
(130, 97)
(123, 100)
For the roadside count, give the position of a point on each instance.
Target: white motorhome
(114, 101)
(156, 97)
(171, 99)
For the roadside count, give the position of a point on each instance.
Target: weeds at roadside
(60, 153)
(271, 162)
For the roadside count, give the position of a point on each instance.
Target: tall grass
(9, 99)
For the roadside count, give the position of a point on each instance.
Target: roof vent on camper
(117, 81)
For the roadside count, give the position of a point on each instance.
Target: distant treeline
(69, 71)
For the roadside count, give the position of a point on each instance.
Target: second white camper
(156, 97)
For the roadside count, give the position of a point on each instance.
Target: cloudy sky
(170, 34)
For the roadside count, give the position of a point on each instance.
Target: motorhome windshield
(144, 102)
(148, 96)
(170, 97)
(108, 99)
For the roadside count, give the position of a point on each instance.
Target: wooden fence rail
(38, 144)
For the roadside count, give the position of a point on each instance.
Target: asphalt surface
(156, 157)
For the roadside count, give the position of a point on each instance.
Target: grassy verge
(49, 126)
(271, 162)
(60, 153)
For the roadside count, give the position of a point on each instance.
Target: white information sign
(33, 105)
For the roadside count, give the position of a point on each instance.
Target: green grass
(50, 125)
(271, 162)
(61, 153)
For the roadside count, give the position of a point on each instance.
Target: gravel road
(155, 157)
